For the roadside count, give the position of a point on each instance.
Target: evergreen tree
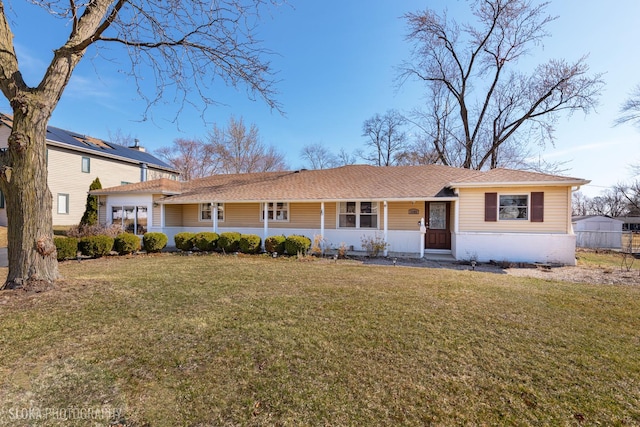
(90, 216)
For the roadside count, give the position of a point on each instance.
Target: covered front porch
(410, 228)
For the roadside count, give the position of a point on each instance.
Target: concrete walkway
(4, 260)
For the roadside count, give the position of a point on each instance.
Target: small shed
(597, 232)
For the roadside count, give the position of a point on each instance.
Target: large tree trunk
(32, 253)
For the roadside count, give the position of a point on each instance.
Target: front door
(438, 234)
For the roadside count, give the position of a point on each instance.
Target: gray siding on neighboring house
(597, 232)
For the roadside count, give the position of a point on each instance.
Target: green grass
(223, 340)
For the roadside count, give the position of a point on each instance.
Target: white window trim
(88, 159)
(357, 214)
(273, 209)
(66, 204)
(527, 195)
(220, 212)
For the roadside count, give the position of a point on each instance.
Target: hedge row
(229, 242)
(101, 245)
(126, 243)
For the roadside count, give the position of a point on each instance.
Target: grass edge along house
(462, 214)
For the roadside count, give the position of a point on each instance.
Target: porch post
(214, 216)
(386, 228)
(162, 224)
(266, 224)
(322, 225)
(423, 231)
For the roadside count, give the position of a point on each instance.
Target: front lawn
(172, 340)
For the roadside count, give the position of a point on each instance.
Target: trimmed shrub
(275, 244)
(67, 247)
(229, 241)
(297, 244)
(154, 242)
(206, 241)
(184, 240)
(95, 246)
(250, 243)
(126, 243)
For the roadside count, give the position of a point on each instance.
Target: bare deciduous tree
(386, 138)
(238, 149)
(345, 158)
(478, 102)
(186, 45)
(318, 156)
(192, 157)
(630, 110)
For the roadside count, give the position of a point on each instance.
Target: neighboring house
(501, 214)
(630, 223)
(598, 232)
(75, 160)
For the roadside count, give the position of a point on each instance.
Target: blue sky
(336, 65)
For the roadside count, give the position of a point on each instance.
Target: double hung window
(277, 211)
(206, 211)
(358, 215)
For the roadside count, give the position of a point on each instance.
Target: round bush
(275, 244)
(184, 240)
(250, 243)
(154, 242)
(95, 246)
(126, 243)
(67, 247)
(206, 241)
(229, 241)
(297, 244)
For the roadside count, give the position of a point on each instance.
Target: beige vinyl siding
(556, 201)
(399, 217)
(102, 210)
(301, 215)
(190, 216)
(330, 216)
(156, 211)
(66, 177)
(173, 215)
(242, 215)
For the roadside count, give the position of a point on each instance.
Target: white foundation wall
(399, 241)
(515, 247)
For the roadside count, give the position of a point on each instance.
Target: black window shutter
(490, 206)
(537, 206)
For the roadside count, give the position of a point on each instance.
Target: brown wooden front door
(438, 234)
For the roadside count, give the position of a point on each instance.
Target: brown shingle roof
(501, 176)
(156, 186)
(355, 182)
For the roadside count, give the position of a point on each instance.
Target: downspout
(569, 202)
(456, 224)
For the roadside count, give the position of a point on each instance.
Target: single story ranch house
(500, 214)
